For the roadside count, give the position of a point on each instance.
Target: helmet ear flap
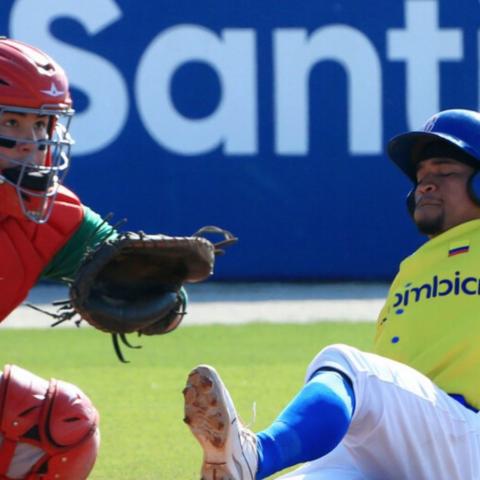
(474, 187)
(410, 200)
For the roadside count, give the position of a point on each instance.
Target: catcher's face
(19, 136)
(34, 158)
(442, 200)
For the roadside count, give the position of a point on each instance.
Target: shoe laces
(246, 433)
(253, 417)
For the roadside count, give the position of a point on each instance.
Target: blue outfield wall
(266, 117)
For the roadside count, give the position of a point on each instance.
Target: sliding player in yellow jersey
(409, 410)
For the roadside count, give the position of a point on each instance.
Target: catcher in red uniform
(119, 283)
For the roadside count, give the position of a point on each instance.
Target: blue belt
(461, 399)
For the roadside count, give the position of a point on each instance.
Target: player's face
(26, 129)
(441, 197)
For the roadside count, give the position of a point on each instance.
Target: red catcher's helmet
(33, 83)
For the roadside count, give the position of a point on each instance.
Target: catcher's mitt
(133, 282)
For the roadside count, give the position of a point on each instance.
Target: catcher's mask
(31, 83)
(452, 133)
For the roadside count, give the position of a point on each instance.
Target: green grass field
(141, 404)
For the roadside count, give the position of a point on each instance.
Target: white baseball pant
(404, 427)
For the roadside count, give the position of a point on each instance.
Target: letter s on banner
(30, 20)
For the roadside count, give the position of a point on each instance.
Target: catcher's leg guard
(49, 429)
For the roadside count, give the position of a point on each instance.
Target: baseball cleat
(229, 448)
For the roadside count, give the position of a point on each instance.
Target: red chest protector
(26, 248)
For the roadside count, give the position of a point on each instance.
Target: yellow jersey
(431, 318)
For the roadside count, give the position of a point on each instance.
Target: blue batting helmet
(457, 130)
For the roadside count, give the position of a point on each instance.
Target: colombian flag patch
(458, 248)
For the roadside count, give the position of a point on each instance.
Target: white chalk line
(239, 303)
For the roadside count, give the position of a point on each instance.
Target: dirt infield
(235, 303)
